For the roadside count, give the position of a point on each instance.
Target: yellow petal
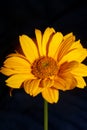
(45, 83)
(60, 84)
(17, 55)
(51, 95)
(80, 52)
(46, 36)
(65, 81)
(39, 40)
(29, 48)
(14, 65)
(54, 44)
(65, 46)
(16, 62)
(68, 66)
(32, 87)
(7, 71)
(77, 45)
(76, 53)
(81, 70)
(68, 36)
(80, 82)
(10, 71)
(71, 82)
(15, 81)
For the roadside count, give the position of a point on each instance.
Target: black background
(22, 112)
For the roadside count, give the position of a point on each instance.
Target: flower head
(48, 64)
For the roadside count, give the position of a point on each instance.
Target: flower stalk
(45, 115)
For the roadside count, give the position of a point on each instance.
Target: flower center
(44, 67)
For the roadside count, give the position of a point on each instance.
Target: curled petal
(50, 94)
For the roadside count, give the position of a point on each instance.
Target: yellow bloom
(50, 63)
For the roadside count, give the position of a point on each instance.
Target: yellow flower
(48, 64)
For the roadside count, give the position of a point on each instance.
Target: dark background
(22, 112)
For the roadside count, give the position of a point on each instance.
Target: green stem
(45, 115)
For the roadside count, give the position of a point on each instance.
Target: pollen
(44, 67)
